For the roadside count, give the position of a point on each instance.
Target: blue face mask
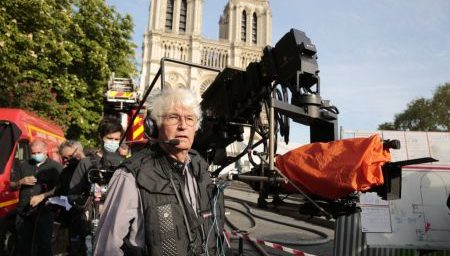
(110, 145)
(39, 157)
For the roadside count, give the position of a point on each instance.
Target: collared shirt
(190, 188)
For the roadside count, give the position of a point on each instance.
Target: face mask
(39, 157)
(72, 162)
(110, 145)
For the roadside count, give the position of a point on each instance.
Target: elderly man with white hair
(162, 200)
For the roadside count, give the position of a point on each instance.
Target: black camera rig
(283, 85)
(236, 99)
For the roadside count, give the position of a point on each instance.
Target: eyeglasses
(175, 119)
(67, 158)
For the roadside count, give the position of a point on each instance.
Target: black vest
(165, 229)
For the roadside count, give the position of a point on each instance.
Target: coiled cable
(325, 238)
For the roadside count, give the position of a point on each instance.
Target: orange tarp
(335, 169)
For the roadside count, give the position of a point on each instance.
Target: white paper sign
(376, 219)
(375, 214)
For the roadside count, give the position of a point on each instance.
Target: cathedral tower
(174, 30)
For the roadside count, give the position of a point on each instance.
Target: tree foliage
(424, 114)
(56, 57)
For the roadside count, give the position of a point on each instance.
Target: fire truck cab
(122, 101)
(17, 128)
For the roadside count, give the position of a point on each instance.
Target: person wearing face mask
(110, 131)
(71, 152)
(36, 180)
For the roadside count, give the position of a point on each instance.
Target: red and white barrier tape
(269, 244)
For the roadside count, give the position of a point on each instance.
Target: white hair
(70, 144)
(175, 97)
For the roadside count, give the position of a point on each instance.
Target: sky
(374, 56)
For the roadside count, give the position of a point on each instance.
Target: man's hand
(28, 180)
(35, 200)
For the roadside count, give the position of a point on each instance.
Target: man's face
(69, 153)
(38, 152)
(178, 123)
(38, 148)
(111, 142)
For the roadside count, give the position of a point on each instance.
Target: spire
(176, 16)
(246, 22)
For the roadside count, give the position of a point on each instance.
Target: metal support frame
(289, 110)
(162, 67)
(161, 72)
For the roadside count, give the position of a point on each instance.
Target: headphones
(150, 128)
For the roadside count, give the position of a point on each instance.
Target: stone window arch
(183, 16)
(169, 15)
(254, 28)
(244, 26)
(206, 83)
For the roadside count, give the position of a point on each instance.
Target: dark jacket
(47, 175)
(79, 184)
(165, 229)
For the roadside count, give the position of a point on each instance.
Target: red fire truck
(17, 128)
(122, 100)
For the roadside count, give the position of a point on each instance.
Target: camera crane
(286, 84)
(236, 98)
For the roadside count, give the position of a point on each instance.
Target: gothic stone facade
(174, 31)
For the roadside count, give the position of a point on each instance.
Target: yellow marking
(32, 127)
(138, 132)
(120, 94)
(9, 202)
(137, 120)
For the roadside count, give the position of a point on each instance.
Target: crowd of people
(159, 200)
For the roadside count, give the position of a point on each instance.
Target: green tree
(424, 114)
(56, 57)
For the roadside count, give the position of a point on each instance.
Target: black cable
(281, 120)
(325, 239)
(249, 146)
(180, 201)
(219, 242)
(253, 224)
(258, 247)
(285, 117)
(278, 116)
(183, 210)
